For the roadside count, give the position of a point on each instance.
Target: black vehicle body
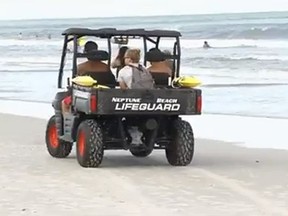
(103, 119)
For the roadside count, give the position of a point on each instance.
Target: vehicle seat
(161, 79)
(103, 78)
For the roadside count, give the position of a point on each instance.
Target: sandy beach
(223, 179)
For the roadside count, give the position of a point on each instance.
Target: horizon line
(135, 16)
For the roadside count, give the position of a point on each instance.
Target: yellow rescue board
(186, 82)
(87, 81)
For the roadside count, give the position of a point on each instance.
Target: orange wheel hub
(53, 137)
(81, 143)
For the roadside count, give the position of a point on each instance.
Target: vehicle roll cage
(153, 36)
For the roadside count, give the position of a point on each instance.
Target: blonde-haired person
(131, 59)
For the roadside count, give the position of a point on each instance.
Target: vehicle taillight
(199, 104)
(93, 103)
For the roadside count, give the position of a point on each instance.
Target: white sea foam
(30, 42)
(185, 43)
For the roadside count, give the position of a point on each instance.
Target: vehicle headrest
(155, 55)
(100, 55)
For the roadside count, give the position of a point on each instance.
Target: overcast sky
(30, 9)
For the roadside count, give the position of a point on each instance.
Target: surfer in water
(20, 36)
(206, 45)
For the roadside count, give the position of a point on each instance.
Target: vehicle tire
(179, 152)
(90, 145)
(140, 152)
(56, 147)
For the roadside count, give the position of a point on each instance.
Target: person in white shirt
(131, 58)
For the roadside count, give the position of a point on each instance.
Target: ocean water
(244, 73)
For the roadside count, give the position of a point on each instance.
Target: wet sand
(223, 179)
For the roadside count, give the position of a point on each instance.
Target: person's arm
(169, 64)
(169, 71)
(124, 77)
(115, 63)
(123, 85)
(80, 69)
(121, 81)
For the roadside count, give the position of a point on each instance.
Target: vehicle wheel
(180, 150)
(89, 141)
(56, 147)
(140, 152)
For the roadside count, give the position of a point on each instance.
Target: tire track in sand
(267, 207)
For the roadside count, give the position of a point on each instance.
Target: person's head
(121, 54)
(205, 42)
(132, 56)
(167, 52)
(153, 49)
(90, 46)
(155, 56)
(167, 55)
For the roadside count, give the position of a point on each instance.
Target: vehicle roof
(110, 32)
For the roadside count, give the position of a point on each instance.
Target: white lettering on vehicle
(126, 100)
(135, 104)
(163, 100)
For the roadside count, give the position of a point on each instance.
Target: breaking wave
(240, 32)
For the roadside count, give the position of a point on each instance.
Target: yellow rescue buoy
(186, 82)
(87, 81)
(101, 87)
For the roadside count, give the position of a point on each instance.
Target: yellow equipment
(81, 41)
(87, 81)
(186, 82)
